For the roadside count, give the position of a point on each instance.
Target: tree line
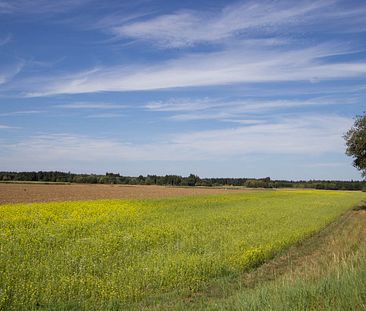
(175, 180)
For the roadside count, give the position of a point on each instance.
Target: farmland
(38, 192)
(128, 253)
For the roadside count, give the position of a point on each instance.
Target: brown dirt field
(27, 193)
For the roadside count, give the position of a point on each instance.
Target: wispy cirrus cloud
(9, 71)
(248, 19)
(20, 113)
(253, 84)
(182, 104)
(187, 104)
(244, 60)
(106, 115)
(206, 69)
(8, 127)
(185, 109)
(38, 6)
(91, 106)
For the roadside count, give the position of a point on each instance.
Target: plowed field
(27, 193)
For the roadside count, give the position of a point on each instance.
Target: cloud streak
(91, 106)
(208, 69)
(105, 115)
(7, 127)
(184, 109)
(38, 6)
(20, 113)
(250, 49)
(243, 19)
(308, 135)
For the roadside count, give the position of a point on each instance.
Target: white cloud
(310, 135)
(206, 69)
(240, 61)
(189, 27)
(91, 106)
(296, 135)
(182, 104)
(19, 113)
(186, 28)
(7, 127)
(38, 6)
(105, 115)
(185, 109)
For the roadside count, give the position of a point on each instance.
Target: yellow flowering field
(100, 255)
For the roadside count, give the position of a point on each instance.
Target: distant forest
(175, 180)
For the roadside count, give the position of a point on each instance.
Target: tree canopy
(356, 143)
(175, 180)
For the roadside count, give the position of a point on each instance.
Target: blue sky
(214, 88)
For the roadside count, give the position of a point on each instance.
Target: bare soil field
(27, 193)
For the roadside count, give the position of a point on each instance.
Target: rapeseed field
(115, 254)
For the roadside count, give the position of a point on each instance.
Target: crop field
(37, 192)
(131, 254)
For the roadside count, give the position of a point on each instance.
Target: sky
(211, 87)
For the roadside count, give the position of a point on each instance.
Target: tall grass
(102, 255)
(338, 291)
(326, 273)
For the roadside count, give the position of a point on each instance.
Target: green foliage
(175, 180)
(356, 143)
(105, 255)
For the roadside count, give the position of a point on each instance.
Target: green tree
(356, 144)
